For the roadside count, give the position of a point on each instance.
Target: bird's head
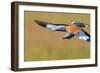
(80, 24)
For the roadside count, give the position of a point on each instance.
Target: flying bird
(74, 29)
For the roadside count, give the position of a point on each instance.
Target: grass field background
(43, 44)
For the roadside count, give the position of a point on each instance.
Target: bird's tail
(41, 23)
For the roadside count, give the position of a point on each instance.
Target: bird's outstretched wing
(83, 35)
(52, 26)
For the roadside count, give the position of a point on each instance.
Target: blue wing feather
(52, 26)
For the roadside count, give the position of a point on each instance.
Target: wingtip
(41, 23)
(36, 21)
(88, 40)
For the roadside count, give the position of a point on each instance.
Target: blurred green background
(42, 44)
